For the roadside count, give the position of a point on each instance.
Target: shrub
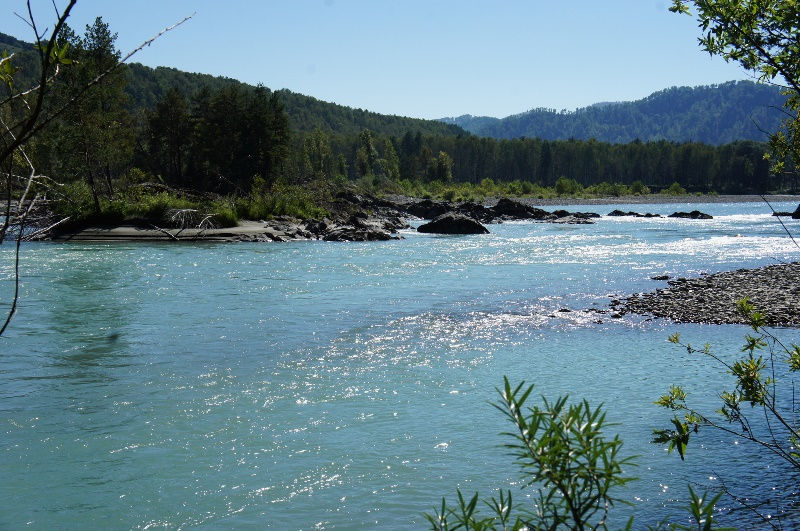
(758, 408)
(562, 450)
(639, 188)
(74, 200)
(224, 214)
(566, 186)
(674, 189)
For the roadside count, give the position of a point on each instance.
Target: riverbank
(660, 199)
(773, 290)
(364, 218)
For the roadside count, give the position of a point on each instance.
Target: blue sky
(421, 58)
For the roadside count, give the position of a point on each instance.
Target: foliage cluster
(281, 199)
(755, 384)
(488, 188)
(573, 467)
(142, 205)
(761, 35)
(564, 455)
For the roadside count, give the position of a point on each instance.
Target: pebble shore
(774, 290)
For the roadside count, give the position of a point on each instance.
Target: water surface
(318, 384)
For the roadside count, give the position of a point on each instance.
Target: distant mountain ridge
(713, 114)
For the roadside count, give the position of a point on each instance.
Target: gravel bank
(774, 290)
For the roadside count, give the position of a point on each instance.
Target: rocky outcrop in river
(774, 290)
(694, 214)
(453, 223)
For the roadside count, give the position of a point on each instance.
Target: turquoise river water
(347, 385)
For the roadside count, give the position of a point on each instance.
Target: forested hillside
(147, 85)
(716, 114)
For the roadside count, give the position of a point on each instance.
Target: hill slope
(715, 114)
(146, 86)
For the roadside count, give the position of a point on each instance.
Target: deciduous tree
(762, 36)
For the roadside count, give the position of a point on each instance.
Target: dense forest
(717, 114)
(219, 136)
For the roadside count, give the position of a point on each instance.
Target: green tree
(93, 137)
(169, 136)
(762, 36)
(273, 126)
(367, 161)
(390, 163)
(440, 168)
(238, 133)
(317, 155)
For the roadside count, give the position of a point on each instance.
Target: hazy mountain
(715, 114)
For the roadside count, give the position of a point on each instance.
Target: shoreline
(132, 233)
(660, 199)
(371, 219)
(712, 299)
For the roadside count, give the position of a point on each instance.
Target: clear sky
(421, 58)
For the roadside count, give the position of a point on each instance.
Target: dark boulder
(475, 211)
(694, 214)
(510, 209)
(427, 209)
(453, 223)
(349, 233)
(620, 213)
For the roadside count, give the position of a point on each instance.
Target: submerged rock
(572, 219)
(620, 213)
(453, 223)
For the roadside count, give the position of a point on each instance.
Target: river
(347, 385)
